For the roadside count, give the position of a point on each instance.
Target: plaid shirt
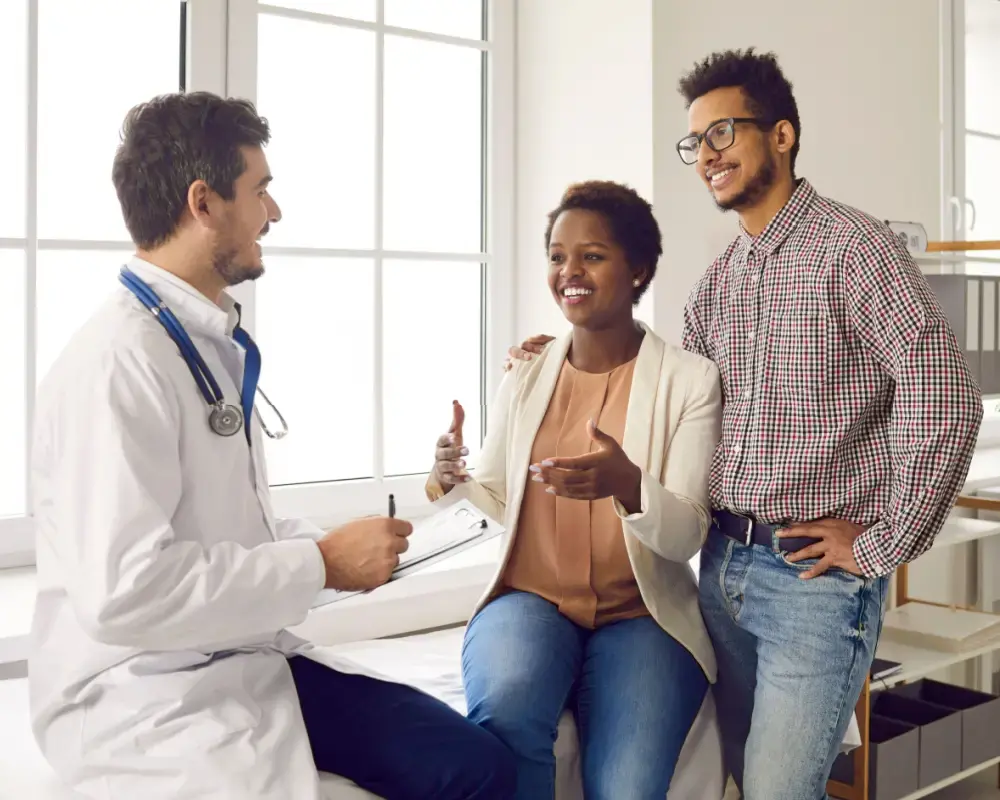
(845, 392)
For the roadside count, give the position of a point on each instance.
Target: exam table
(430, 662)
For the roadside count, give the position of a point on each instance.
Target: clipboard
(444, 534)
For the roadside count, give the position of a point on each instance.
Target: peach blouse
(572, 552)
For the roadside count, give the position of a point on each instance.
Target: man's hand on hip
(363, 553)
(835, 547)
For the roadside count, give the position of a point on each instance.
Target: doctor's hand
(528, 350)
(363, 553)
(607, 472)
(449, 461)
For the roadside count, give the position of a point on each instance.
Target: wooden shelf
(959, 530)
(918, 662)
(978, 503)
(961, 247)
(960, 776)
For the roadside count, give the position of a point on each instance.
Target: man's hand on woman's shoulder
(529, 348)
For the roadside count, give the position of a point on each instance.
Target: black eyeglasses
(720, 135)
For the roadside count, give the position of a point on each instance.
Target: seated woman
(597, 459)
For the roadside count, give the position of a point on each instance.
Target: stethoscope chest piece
(226, 420)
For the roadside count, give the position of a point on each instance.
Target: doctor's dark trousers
(396, 742)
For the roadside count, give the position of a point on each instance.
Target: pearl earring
(637, 282)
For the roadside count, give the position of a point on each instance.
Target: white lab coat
(158, 665)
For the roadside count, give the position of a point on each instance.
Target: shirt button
(750, 336)
(754, 277)
(737, 449)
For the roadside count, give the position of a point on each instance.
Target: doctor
(161, 667)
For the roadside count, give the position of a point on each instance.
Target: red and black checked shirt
(845, 392)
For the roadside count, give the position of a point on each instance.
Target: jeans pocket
(834, 572)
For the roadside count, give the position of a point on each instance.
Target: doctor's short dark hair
(169, 143)
(630, 218)
(767, 90)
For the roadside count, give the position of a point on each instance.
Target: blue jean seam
(857, 644)
(726, 559)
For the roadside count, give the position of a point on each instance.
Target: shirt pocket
(800, 354)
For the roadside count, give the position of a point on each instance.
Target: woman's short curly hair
(629, 217)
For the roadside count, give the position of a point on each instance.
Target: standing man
(161, 667)
(849, 421)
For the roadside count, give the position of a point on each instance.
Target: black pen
(392, 506)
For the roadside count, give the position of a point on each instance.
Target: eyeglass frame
(700, 137)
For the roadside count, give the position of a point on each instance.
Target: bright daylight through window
(61, 235)
(379, 304)
(379, 170)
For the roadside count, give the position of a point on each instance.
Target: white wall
(584, 111)
(866, 79)
(865, 75)
(597, 98)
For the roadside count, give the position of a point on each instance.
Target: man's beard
(226, 265)
(755, 189)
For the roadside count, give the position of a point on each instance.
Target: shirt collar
(189, 305)
(784, 222)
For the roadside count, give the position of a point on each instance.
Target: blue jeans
(793, 655)
(635, 691)
(396, 742)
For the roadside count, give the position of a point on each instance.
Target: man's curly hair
(767, 90)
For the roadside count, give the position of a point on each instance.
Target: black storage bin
(979, 713)
(940, 730)
(893, 757)
(843, 768)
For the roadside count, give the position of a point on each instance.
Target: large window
(387, 293)
(70, 73)
(971, 211)
(387, 279)
(982, 120)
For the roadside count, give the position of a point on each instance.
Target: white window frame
(334, 502)
(17, 535)
(953, 196)
(222, 58)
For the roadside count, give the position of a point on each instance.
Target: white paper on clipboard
(444, 534)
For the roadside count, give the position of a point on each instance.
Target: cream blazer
(672, 426)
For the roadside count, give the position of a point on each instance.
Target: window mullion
(230, 69)
(379, 372)
(498, 209)
(31, 248)
(206, 46)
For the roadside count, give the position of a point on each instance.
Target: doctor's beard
(227, 264)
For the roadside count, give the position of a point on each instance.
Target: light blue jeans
(634, 689)
(792, 655)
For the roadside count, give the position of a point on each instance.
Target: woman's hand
(449, 463)
(607, 472)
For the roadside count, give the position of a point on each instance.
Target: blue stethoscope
(224, 419)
